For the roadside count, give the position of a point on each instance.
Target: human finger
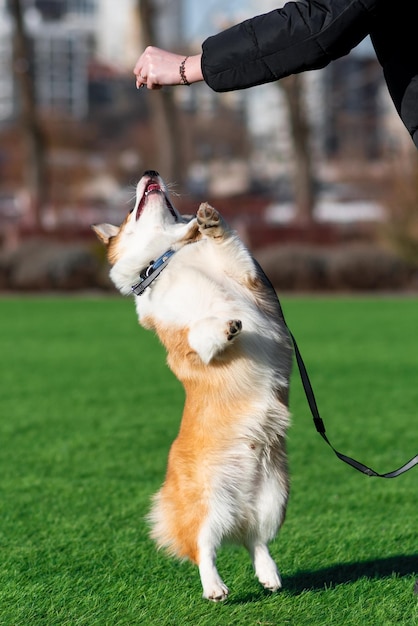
(141, 81)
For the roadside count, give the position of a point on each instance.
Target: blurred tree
(400, 197)
(303, 175)
(35, 167)
(164, 113)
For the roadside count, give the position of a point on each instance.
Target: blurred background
(316, 172)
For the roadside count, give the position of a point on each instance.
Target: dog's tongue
(153, 187)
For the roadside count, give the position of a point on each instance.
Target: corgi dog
(219, 319)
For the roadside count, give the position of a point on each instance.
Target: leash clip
(150, 273)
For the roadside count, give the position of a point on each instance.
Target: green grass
(88, 412)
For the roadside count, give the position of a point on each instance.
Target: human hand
(156, 68)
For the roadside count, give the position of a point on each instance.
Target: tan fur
(211, 406)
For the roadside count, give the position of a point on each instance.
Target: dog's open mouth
(153, 186)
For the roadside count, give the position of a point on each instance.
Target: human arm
(156, 67)
(300, 36)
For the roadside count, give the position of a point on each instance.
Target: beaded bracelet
(183, 78)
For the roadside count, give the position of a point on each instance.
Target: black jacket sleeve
(308, 34)
(301, 36)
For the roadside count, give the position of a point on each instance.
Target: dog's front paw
(234, 328)
(210, 336)
(209, 221)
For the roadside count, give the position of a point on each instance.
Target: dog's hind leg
(213, 586)
(264, 566)
(271, 508)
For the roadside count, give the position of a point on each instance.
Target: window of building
(60, 71)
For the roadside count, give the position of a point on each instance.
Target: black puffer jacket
(308, 35)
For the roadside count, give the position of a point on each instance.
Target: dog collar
(150, 273)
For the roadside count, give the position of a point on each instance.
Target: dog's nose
(151, 173)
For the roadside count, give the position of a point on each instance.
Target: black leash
(320, 426)
(150, 273)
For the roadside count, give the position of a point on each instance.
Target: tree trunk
(303, 177)
(164, 114)
(35, 167)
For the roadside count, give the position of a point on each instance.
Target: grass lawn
(88, 412)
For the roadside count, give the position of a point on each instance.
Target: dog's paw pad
(207, 216)
(234, 327)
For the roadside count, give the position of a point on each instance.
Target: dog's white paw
(218, 592)
(210, 336)
(266, 569)
(214, 588)
(209, 220)
(272, 582)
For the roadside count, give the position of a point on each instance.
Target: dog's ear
(105, 232)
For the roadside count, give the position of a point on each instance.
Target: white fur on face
(153, 226)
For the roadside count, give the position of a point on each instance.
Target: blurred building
(6, 76)
(171, 18)
(353, 113)
(349, 109)
(83, 52)
(65, 35)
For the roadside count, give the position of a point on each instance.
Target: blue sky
(201, 17)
